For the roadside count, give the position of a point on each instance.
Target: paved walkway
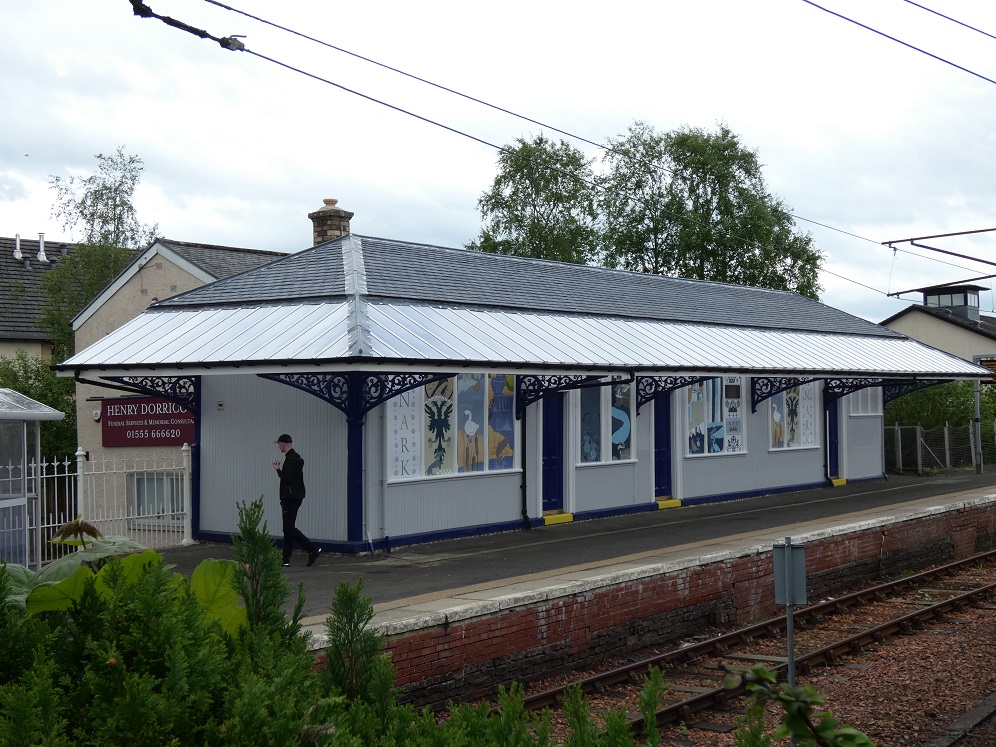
(444, 581)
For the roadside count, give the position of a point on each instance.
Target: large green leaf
(22, 581)
(60, 596)
(95, 551)
(211, 583)
(132, 566)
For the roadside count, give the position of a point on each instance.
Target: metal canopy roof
(359, 303)
(411, 336)
(16, 406)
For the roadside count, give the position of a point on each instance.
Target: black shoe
(286, 563)
(313, 556)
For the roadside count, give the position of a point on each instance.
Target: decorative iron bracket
(184, 391)
(896, 389)
(355, 393)
(834, 389)
(530, 388)
(649, 388)
(763, 387)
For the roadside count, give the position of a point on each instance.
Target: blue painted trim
(354, 479)
(602, 513)
(457, 533)
(722, 497)
(346, 548)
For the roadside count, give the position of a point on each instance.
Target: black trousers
(288, 511)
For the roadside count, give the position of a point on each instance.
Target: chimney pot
(329, 221)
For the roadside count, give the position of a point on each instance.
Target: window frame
(606, 404)
(733, 419)
(171, 493)
(416, 431)
(813, 415)
(859, 405)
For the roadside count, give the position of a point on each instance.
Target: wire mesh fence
(917, 450)
(143, 498)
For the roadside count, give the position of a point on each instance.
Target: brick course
(471, 657)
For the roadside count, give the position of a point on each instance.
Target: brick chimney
(330, 222)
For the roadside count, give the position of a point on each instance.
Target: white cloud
(854, 131)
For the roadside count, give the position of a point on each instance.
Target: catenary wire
(232, 43)
(900, 41)
(523, 117)
(949, 18)
(474, 99)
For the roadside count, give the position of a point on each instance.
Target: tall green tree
(692, 203)
(541, 204)
(101, 205)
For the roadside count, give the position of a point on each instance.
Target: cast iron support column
(354, 458)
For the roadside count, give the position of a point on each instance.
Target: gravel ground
(905, 691)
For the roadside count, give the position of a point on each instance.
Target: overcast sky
(855, 132)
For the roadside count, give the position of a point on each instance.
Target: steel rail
(683, 710)
(775, 626)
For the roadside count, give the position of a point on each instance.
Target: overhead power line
(900, 41)
(482, 102)
(233, 43)
(949, 18)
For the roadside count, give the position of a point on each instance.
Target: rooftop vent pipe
(41, 249)
(17, 247)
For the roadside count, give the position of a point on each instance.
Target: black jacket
(292, 477)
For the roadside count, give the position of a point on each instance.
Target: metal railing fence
(143, 498)
(918, 450)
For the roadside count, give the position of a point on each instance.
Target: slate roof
(21, 294)
(369, 302)
(986, 326)
(423, 273)
(221, 261)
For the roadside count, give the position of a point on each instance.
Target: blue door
(833, 441)
(662, 446)
(553, 452)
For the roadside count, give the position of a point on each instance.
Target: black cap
(283, 438)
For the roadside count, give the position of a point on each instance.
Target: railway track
(827, 633)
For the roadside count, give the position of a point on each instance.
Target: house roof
(986, 326)
(396, 305)
(221, 261)
(21, 295)
(207, 262)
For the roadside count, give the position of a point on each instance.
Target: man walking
(291, 476)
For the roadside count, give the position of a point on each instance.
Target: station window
(606, 416)
(867, 401)
(714, 408)
(459, 425)
(792, 418)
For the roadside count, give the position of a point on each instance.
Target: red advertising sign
(144, 421)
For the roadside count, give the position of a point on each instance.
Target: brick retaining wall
(615, 616)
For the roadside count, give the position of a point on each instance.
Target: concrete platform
(443, 582)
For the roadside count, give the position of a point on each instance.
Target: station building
(437, 392)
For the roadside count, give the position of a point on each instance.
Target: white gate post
(188, 534)
(80, 503)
